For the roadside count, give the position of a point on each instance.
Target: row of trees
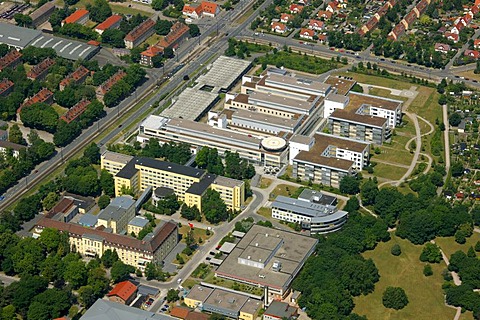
(120, 90)
(233, 166)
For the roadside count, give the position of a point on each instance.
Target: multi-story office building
(329, 159)
(377, 107)
(189, 184)
(199, 134)
(94, 242)
(315, 217)
(117, 214)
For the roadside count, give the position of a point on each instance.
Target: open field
(426, 104)
(197, 232)
(449, 245)
(265, 212)
(59, 109)
(388, 171)
(283, 190)
(265, 183)
(386, 94)
(424, 293)
(153, 40)
(395, 153)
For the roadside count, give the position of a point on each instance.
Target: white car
(179, 280)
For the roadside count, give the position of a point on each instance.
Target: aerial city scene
(239, 159)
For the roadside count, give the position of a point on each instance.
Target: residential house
(409, 19)
(476, 43)
(452, 36)
(112, 22)
(397, 32)
(39, 71)
(307, 33)
(42, 14)
(322, 38)
(472, 53)
(285, 18)
(124, 293)
(7, 145)
(278, 27)
(107, 85)
(295, 8)
(316, 25)
(332, 6)
(442, 47)
(76, 111)
(327, 15)
(76, 77)
(208, 9)
(139, 34)
(6, 87)
(420, 8)
(147, 55)
(10, 60)
(80, 16)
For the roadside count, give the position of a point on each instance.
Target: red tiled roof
(75, 76)
(278, 26)
(140, 30)
(76, 230)
(315, 23)
(62, 206)
(324, 14)
(109, 22)
(296, 8)
(286, 17)
(75, 111)
(307, 32)
(77, 15)
(107, 85)
(41, 96)
(208, 7)
(180, 312)
(197, 316)
(5, 84)
(152, 51)
(177, 31)
(123, 290)
(40, 68)
(10, 58)
(93, 43)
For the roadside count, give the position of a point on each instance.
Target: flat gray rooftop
(116, 157)
(190, 104)
(17, 36)
(66, 48)
(223, 72)
(199, 293)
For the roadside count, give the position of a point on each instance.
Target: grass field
(388, 171)
(426, 104)
(377, 81)
(265, 183)
(197, 232)
(449, 245)
(385, 93)
(469, 75)
(283, 190)
(424, 293)
(395, 153)
(60, 110)
(265, 212)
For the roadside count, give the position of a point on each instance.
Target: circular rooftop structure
(274, 144)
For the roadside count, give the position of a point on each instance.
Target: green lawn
(395, 153)
(197, 232)
(377, 81)
(123, 10)
(449, 245)
(425, 294)
(388, 172)
(60, 110)
(265, 183)
(298, 62)
(265, 212)
(283, 190)
(385, 93)
(426, 104)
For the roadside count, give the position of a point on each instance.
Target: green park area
(425, 294)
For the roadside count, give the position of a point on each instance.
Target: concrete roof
(116, 157)
(359, 99)
(226, 300)
(107, 310)
(190, 104)
(227, 247)
(223, 72)
(17, 36)
(138, 221)
(342, 85)
(199, 293)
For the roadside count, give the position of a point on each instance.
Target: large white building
(311, 215)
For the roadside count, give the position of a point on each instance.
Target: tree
(349, 185)
(40, 116)
(162, 27)
(213, 207)
(172, 295)
(99, 11)
(103, 201)
(369, 191)
(92, 153)
(394, 298)
(427, 270)
(454, 119)
(50, 201)
(22, 20)
(55, 241)
(396, 250)
(107, 183)
(194, 30)
(109, 257)
(15, 135)
(158, 5)
(121, 271)
(431, 253)
(457, 169)
(191, 213)
(86, 296)
(76, 273)
(114, 37)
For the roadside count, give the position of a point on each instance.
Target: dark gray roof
(17, 36)
(317, 197)
(88, 220)
(281, 310)
(198, 188)
(162, 192)
(318, 212)
(128, 171)
(11, 145)
(170, 167)
(107, 310)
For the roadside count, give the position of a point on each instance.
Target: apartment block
(139, 34)
(76, 77)
(178, 32)
(44, 96)
(112, 22)
(201, 134)
(94, 242)
(107, 85)
(76, 111)
(80, 16)
(10, 60)
(117, 214)
(329, 159)
(40, 70)
(6, 86)
(189, 184)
